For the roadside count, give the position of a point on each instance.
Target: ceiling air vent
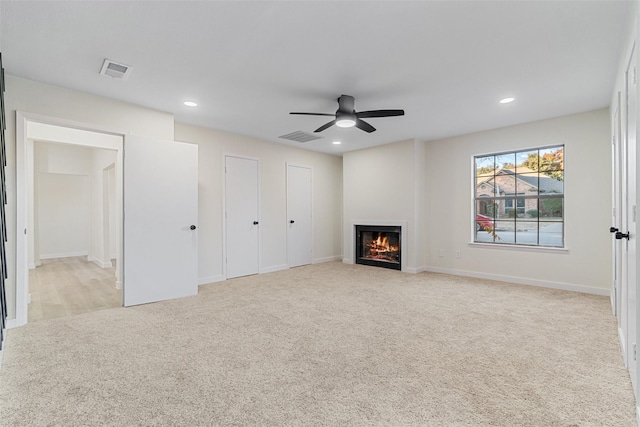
(115, 70)
(300, 136)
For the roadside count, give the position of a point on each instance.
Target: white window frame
(500, 200)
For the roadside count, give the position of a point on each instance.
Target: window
(519, 197)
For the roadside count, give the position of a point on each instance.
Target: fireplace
(379, 246)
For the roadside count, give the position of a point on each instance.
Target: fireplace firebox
(379, 246)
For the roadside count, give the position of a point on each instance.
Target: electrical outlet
(458, 254)
(441, 253)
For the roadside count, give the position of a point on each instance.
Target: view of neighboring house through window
(519, 197)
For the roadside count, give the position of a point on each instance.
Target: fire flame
(381, 245)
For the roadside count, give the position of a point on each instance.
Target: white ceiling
(249, 63)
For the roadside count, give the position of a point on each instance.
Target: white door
(616, 212)
(241, 215)
(299, 244)
(160, 219)
(628, 223)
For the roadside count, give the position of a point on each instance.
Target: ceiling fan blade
(325, 126)
(314, 114)
(361, 124)
(379, 113)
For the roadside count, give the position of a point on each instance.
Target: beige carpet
(327, 344)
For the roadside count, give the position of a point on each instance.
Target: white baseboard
(326, 259)
(210, 279)
(274, 269)
(12, 323)
(63, 255)
(100, 263)
(347, 261)
(623, 347)
(118, 284)
(521, 280)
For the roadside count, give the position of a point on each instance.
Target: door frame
(224, 209)
(24, 182)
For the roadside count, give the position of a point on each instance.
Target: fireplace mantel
(350, 250)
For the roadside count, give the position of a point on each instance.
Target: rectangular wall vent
(114, 69)
(300, 136)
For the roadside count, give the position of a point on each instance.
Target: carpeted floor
(327, 344)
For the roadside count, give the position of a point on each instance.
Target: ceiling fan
(346, 116)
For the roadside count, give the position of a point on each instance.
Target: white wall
(62, 200)
(63, 215)
(327, 196)
(382, 183)
(69, 202)
(586, 265)
(39, 98)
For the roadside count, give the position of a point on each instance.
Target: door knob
(613, 230)
(193, 227)
(255, 222)
(620, 235)
(291, 222)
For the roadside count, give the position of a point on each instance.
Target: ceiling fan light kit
(346, 115)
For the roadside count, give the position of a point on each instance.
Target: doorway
(73, 248)
(72, 141)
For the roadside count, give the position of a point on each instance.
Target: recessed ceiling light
(337, 142)
(507, 100)
(190, 104)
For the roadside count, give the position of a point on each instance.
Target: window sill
(523, 248)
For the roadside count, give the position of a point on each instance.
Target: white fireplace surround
(351, 248)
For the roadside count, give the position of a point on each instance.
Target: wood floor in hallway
(66, 286)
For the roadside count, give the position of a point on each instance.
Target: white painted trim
(211, 279)
(22, 257)
(11, 323)
(274, 268)
(64, 255)
(521, 248)
(521, 280)
(397, 223)
(22, 171)
(623, 346)
(327, 259)
(99, 263)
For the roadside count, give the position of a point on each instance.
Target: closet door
(241, 216)
(299, 236)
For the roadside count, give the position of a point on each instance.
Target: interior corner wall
(381, 183)
(327, 198)
(63, 200)
(39, 98)
(586, 265)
